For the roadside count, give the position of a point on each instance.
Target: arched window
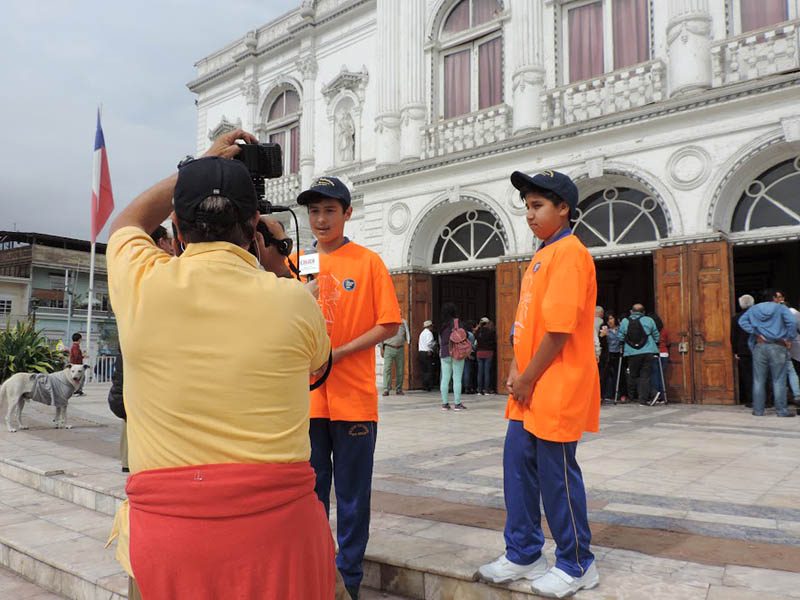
(283, 127)
(473, 235)
(618, 216)
(770, 200)
(471, 66)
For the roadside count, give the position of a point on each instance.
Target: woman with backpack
(454, 347)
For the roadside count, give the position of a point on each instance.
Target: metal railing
(102, 369)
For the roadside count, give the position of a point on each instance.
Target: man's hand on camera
(268, 255)
(226, 146)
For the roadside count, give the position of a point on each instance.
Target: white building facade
(678, 119)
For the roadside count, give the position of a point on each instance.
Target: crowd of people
(632, 353)
(232, 459)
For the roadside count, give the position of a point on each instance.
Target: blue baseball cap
(552, 181)
(326, 187)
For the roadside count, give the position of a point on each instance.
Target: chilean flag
(102, 196)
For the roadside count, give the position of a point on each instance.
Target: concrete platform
(726, 532)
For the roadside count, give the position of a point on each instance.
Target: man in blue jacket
(641, 343)
(772, 329)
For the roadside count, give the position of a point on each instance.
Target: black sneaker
(445, 407)
(460, 406)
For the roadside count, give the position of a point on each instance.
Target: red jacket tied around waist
(233, 531)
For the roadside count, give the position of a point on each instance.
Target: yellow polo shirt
(217, 354)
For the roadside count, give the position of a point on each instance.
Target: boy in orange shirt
(554, 397)
(360, 307)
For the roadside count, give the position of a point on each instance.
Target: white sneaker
(557, 584)
(503, 570)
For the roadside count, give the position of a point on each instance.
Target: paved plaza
(685, 502)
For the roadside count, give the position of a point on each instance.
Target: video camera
(265, 161)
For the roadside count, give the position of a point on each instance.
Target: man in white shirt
(393, 352)
(427, 355)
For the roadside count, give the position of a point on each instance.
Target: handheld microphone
(309, 263)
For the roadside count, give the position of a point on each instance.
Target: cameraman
(218, 354)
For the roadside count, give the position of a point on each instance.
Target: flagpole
(90, 293)
(89, 314)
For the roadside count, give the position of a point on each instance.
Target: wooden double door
(694, 291)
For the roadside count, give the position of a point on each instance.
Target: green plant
(23, 349)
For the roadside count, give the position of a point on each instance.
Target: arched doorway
(622, 224)
(454, 253)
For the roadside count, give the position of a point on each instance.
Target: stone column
(308, 69)
(528, 64)
(412, 91)
(387, 121)
(688, 46)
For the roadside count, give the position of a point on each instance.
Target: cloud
(62, 59)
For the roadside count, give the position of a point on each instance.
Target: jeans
(609, 375)
(484, 374)
(451, 369)
(393, 356)
(794, 381)
(466, 383)
(639, 376)
(427, 366)
(769, 359)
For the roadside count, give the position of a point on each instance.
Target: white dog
(55, 388)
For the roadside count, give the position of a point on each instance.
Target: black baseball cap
(552, 181)
(326, 187)
(214, 176)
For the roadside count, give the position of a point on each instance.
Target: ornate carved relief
(224, 126)
(308, 67)
(346, 137)
(251, 91)
(355, 82)
(399, 217)
(345, 97)
(689, 167)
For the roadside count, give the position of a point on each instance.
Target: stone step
(404, 573)
(44, 475)
(12, 586)
(57, 542)
(58, 545)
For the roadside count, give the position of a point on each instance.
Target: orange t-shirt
(558, 295)
(355, 294)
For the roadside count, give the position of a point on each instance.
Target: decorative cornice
(649, 112)
(347, 80)
(291, 35)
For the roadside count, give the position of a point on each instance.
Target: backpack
(459, 345)
(636, 336)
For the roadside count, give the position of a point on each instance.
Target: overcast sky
(61, 58)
